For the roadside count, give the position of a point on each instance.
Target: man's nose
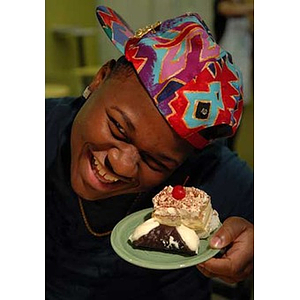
(124, 160)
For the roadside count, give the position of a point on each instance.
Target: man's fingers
(204, 271)
(236, 234)
(225, 269)
(230, 230)
(217, 266)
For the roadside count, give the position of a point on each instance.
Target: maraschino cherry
(178, 192)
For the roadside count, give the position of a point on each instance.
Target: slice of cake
(181, 216)
(153, 235)
(185, 205)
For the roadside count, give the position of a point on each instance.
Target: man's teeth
(102, 172)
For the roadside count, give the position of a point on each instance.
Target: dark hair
(121, 67)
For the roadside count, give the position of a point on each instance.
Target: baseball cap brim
(114, 26)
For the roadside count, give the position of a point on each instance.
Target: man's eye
(117, 130)
(119, 127)
(153, 163)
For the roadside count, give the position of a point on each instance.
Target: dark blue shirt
(82, 266)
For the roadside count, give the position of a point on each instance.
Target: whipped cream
(143, 229)
(190, 237)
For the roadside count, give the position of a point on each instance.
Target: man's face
(120, 143)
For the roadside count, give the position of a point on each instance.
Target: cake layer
(193, 211)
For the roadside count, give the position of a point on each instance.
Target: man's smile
(101, 172)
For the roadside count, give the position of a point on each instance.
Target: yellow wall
(61, 52)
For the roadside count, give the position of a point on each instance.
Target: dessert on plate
(181, 217)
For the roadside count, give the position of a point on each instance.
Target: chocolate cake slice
(160, 237)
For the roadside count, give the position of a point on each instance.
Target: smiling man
(120, 143)
(149, 119)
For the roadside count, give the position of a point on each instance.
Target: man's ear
(99, 77)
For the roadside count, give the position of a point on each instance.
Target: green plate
(153, 259)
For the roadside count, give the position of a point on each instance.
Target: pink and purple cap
(191, 79)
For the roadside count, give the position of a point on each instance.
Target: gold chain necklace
(87, 225)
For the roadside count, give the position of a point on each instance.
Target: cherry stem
(186, 180)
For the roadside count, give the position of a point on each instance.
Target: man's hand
(237, 262)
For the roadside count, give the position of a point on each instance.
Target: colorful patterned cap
(191, 79)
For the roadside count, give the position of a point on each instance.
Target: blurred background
(76, 46)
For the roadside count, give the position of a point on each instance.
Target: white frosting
(143, 229)
(171, 211)
(190, 237)
(212, 225)
(215, 221)
(172, 242)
